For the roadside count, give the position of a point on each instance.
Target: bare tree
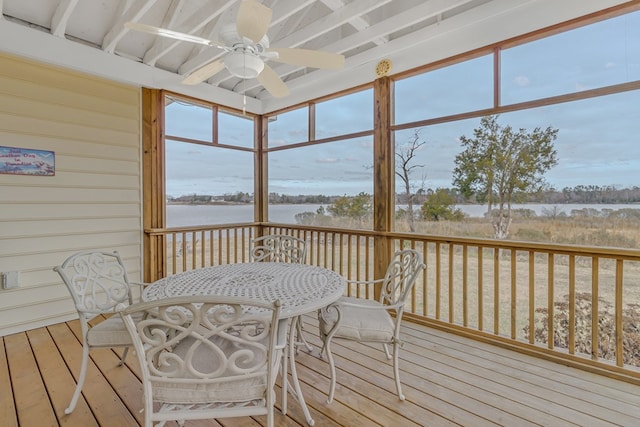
(405, 155)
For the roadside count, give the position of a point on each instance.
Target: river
(185, 215)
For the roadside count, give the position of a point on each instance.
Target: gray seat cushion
(242, 381)
(362, 324)
(111, 332)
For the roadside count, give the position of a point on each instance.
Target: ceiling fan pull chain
(244, 92)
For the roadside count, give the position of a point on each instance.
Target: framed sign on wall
(25, 161)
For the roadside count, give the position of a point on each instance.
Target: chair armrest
(140, 286)
(364, 282)
(339, 304)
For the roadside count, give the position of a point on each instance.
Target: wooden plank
(358, 374)
(58, 380)
(448, 380)
(105, 403)
(7, 406)
(32, 403)
(378, 406)
(123, 381)
(560, 392)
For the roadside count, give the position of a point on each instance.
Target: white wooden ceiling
(89, 36)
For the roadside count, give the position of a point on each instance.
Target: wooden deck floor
(448, 380)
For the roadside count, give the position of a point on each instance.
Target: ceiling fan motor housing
(243, 60)
(243, 63)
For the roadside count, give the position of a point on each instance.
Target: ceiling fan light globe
(243, 65)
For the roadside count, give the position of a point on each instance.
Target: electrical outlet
(11, 279)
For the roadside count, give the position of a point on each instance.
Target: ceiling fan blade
(272, 82)
(309, 58)
(176, 35)
(253, 20)
(204, 72)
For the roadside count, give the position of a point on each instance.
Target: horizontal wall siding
(92, 202)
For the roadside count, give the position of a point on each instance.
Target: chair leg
(284, 375)
(332, 368)
(270, 417)
(386, 351)
(124, 356)
(301, 340)
(83, 374)
(396, 369)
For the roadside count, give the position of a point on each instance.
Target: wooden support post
(153, 188)
(261, 198)
(383, 169)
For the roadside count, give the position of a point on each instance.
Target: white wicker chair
(363, 320)
(282, 248)
(98, 284)
(206, 357)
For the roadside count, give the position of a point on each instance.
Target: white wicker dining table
(300, 288)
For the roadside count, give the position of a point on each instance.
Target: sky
(598, 140)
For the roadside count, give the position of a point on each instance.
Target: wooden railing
(576, 304)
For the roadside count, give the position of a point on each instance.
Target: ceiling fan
(247, 48)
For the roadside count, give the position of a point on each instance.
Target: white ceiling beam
(133, 13)
(421, 12)
(281, 11)
(329, 22)
(192, 25)
(360, 23)
(61, 17)
(168, 21)
(212, 29)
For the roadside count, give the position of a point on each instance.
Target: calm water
(184, 215)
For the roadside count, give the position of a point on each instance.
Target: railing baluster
(480, 288)
(572, 305)
(496, 291)
(550, 301)
(450, 284)
(173, 253)
(512, 317)
(595, 316)
(425, 283)
(465, 285)
(184, 251)
(619, 309)
(438, 278)
(532, 297)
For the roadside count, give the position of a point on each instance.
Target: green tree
(440, 206)
(499, 163)
(357, 208)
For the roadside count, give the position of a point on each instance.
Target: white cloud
(327, 160)
(522, 81)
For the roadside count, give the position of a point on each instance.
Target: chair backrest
(400, 277)
(205, 349)
(97, 281)
(279, 248)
